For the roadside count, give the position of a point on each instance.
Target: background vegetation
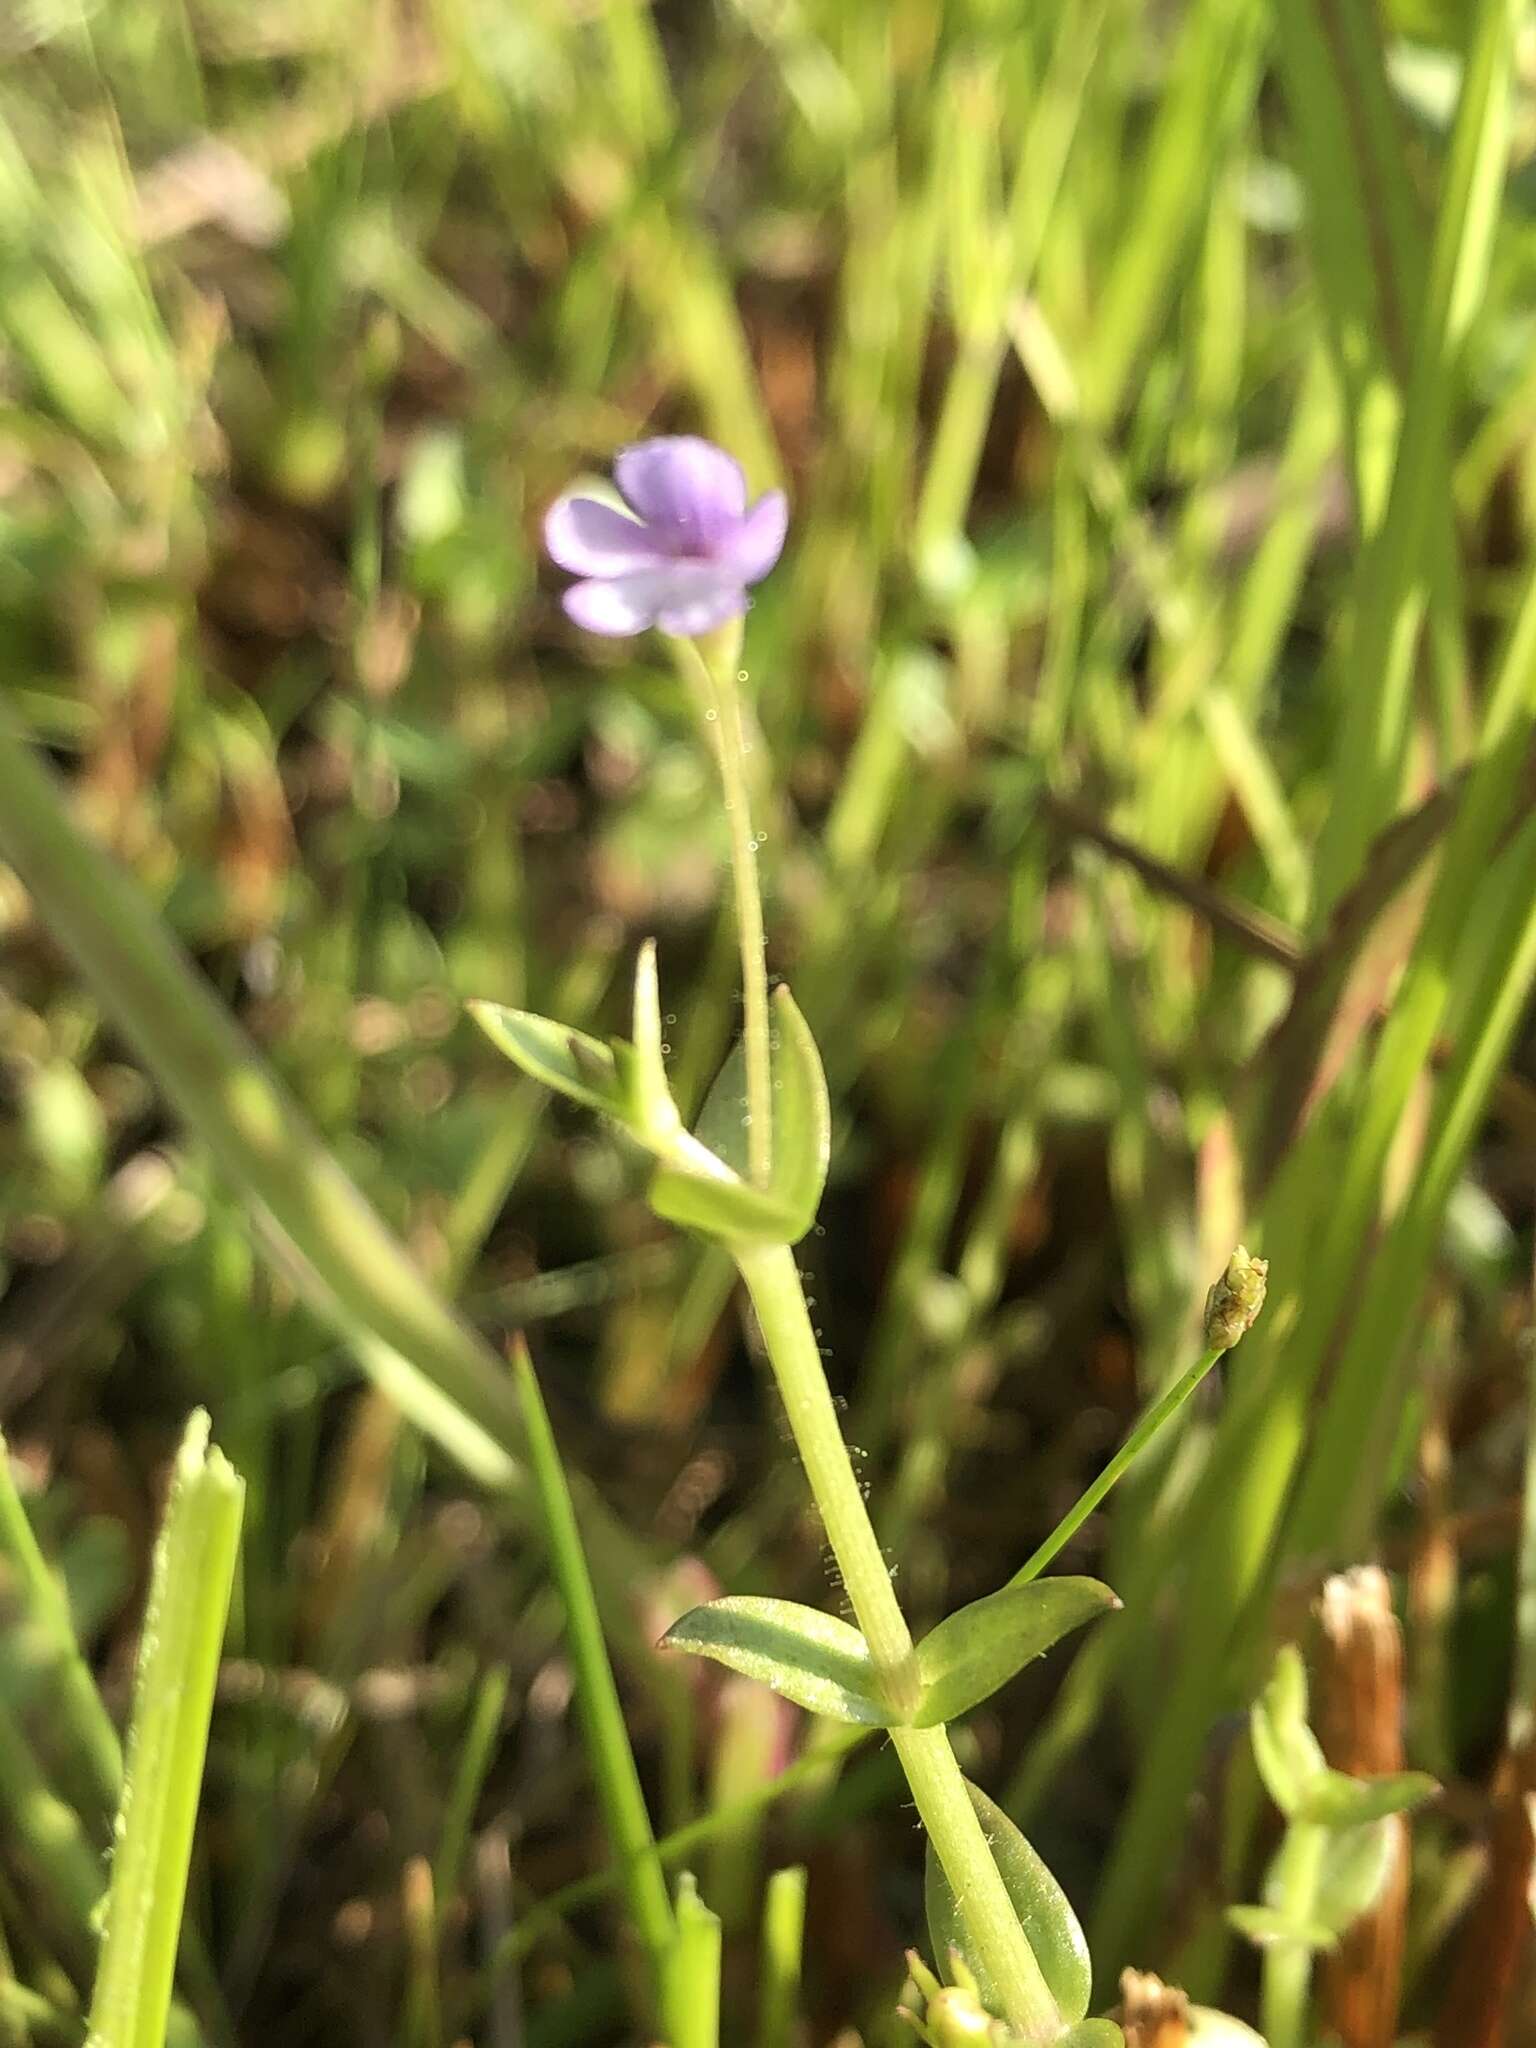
(1149, 690)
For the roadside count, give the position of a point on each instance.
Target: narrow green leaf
(656, 1117)
(969, 1655)
(802, 1115)
(781, 1948)
(568, 1061)
(719, 1202)
(693, 1971)
(354, 1273)
(1336, 1801)
(1356, 1865)
(613, 1763)
(1286, 1751)
(718, 1207)
(722, 1122)
(817, 1660)
(1268, 1927)
(183, 1634)
(1044, 1913)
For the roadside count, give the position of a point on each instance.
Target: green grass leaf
(597, 1699)
(173, 1698)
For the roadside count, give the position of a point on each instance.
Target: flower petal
(681, 597)
(624, 605)
(591, 539)
(689, 490)
(758, 540)
(707, 605)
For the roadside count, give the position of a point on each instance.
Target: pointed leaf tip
(1288, 1754)
(1336, 1800)
(574, 1065)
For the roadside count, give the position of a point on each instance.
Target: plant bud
(1233, 1304)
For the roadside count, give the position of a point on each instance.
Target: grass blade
(597, 1697)
(173, 1698)
(778, 1984)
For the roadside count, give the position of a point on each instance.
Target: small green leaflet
(814, 1659)
(968, 1656)
(1044, 1914)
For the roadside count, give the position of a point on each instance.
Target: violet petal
(591, 539)
(702, 608)
(758, 540)
(687, 488)
(619, 605)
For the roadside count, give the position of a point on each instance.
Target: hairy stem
(773, 1281)
(712, 665)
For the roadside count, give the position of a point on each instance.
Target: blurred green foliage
(1082, 338)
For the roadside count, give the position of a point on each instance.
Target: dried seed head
(1153, 2014)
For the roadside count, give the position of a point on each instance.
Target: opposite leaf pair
(1336, 1833)
(822, 1663)
(700, 1180)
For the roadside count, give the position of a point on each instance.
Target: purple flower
(685, 558)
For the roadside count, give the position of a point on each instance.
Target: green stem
(714, 664)
(1287, 1968)
(1150, 1423)
(773, 1281)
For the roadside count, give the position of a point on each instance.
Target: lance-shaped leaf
(1356, 1866)
(980, 1647)
(814, 1659)
(656, 1117)
(1269, 1927)
(568, 1061)
(1288, 1754)
(1048, 1921)
(1334, 1800)
(696, 1196)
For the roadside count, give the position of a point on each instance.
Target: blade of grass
(602, 1716)
(779, 1965)
(1229, 1533)
(693, 1971)
(1376, 664)
(476, 1752)
(1207, 94)
(805, 1772)
(168, 1735)
(431, 1364)
(78, 1713)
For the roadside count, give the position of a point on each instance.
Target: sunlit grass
(1151, 388)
